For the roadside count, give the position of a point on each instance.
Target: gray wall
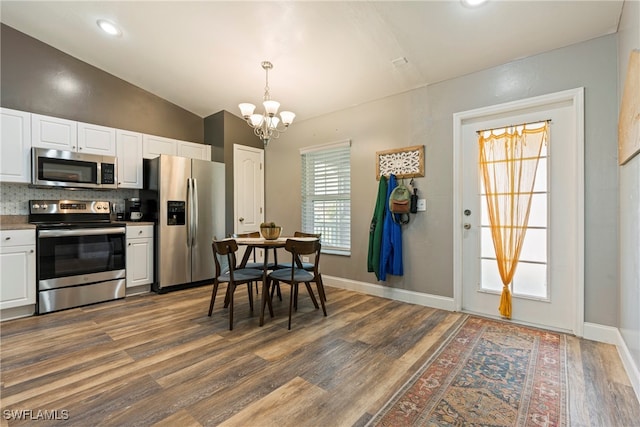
(424, 116)
(40, 79)
(31, 79)
(629, 320)
(222, 130)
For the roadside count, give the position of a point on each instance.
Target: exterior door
(248, 188)
(547, 286)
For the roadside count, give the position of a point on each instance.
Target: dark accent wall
(38, 78)
(222, 130)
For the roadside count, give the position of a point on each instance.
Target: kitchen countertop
(21, 222)
(15, 222)
(135, 222)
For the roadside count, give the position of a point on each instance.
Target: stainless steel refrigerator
(185, 198)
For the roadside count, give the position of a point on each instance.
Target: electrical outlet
(305, 259)
(422, 205)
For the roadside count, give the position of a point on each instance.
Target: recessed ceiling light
(109, 27)
(473, 3)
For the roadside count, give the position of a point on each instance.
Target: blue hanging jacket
(391, 248)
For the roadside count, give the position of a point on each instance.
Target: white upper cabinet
(15, 146)
(129, 153)
(194, 150)
(153, 146)
(69, 135)
(95, 139)
(54, 133)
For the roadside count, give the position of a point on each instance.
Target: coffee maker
(132, 209)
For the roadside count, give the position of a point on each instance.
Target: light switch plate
(422, 205)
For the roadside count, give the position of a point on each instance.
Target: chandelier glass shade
(266, 125)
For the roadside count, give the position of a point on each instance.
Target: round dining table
(262, 243)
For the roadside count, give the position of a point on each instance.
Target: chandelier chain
(266, 65)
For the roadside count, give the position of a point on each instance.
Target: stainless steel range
(80, 253)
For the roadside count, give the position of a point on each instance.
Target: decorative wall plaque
(407, 162)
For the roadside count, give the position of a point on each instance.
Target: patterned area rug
(487, 373)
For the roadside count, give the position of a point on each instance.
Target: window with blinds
(326, 195)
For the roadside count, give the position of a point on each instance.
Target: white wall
(629, 176)
(424, 116)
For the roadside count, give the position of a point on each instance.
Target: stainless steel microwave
(55, 168)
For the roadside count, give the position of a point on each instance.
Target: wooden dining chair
(306, 265)
(233, 276)
(298, 274)
(254, 263)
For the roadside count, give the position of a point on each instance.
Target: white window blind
(326, 195)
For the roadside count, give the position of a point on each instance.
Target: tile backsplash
(14, 198)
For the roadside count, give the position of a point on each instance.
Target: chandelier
(267, 125)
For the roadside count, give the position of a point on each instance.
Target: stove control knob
(35, 206)
(45, 206)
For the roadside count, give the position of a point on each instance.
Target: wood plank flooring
(160, 360)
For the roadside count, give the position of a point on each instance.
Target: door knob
(241, 219)
(467, 226)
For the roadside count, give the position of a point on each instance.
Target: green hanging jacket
(375, 230)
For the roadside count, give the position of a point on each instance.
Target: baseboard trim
(611, 335)
(601, 333)
(412, 297)
(17, 312)
(633, 371)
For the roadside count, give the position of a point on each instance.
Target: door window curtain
(508, 162)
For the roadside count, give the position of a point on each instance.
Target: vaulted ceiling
(205, 55)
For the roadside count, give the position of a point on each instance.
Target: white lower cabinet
(139, 255)
(17, 268)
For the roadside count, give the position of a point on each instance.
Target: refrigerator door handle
(189, 211)
(194, 237)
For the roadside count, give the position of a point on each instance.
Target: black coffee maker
(132, 209)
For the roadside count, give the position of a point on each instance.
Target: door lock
(467, 212)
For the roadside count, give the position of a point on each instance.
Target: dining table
(252, 243)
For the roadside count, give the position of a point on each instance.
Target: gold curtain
(509, 161)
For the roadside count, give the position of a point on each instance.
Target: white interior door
(248, 188)
(547, 287)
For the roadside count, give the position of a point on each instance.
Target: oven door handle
(81, 232)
